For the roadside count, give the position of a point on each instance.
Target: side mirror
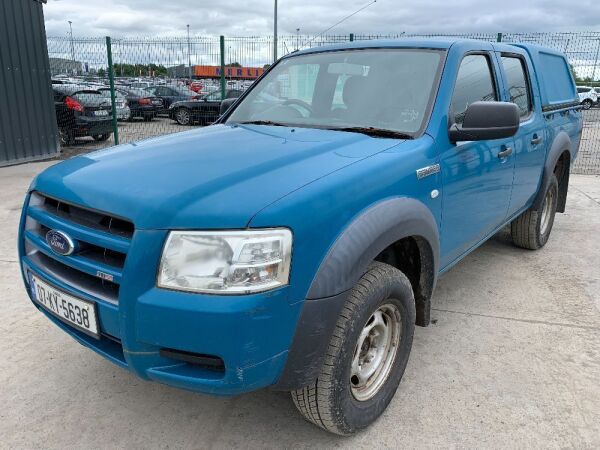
(226, 104)
(486, 120)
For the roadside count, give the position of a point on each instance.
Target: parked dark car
(203, 111)
(141, 103)
(81, 111)
(172, 93)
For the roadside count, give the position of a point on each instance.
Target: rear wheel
(531, 229)
(65, 136)
(587, 103)
(367, 354)
(182, 116)
(101, 137)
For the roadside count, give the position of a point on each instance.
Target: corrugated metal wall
(27, 118)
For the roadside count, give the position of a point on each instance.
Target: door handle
(505, 153)
(536, 139)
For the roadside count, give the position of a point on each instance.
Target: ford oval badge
(60, 242)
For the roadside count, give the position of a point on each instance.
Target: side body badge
(426, 171)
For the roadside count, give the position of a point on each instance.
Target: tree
(101, 72)
(233, 64)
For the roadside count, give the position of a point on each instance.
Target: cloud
(120, 18)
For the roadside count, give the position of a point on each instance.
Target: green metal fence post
(111, 79)
(499, 38)
(351, 37)
(222, 42)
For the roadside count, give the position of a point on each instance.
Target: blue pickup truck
(296, 243)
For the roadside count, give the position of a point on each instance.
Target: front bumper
(251, 334)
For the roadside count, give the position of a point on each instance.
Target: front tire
(366, 356)
(587, 104)
(531, 230)
(182, 116)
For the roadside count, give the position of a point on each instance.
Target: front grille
(102, 240)
(83, 216)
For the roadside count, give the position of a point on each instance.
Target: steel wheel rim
(375, 352)
(546, 211)
(587, 105)
(183, 117)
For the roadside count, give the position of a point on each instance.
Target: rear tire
(531, 229)
(376, 324)
(101, 137)
(66, 137)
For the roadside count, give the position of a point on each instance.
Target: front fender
(347, 260)
(367, 236)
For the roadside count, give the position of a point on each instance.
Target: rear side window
(556, 79)
(474, 83)
(516, 82)
(583, 90)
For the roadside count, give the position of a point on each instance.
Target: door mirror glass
(486, 120)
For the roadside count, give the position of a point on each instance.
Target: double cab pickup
(296, 243)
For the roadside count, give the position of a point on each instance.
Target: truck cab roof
(556, 85)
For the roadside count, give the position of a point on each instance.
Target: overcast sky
(121, 18)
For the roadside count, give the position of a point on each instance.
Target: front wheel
(182, 116)
(587, 104)
(531, 230)
(367, 354)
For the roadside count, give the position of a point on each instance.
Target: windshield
(387, 89)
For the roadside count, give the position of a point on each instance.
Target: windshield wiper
(376, 132)
(262, 122)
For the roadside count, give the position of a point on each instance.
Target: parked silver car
(123, 111)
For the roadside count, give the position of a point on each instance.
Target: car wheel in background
(182, 116)
(587, 104)
(65, 136)
(531, 229)
(367, 354)
(101, 137)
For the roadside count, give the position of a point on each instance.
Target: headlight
(226, 262)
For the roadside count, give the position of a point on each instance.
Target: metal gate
(27, 122)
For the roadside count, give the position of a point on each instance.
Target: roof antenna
(337, 23)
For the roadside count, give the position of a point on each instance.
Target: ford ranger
(296, 243)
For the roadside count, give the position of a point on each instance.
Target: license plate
(76, 312)
(101, 112)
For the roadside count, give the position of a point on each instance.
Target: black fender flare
(347, 260)
(561, 143)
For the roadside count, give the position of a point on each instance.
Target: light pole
(72, 46)
(297, 39)
(275, 33)
(189, 54)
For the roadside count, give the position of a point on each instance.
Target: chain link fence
(154, 78)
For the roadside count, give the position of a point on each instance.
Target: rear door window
(517, 84)
(474, 83)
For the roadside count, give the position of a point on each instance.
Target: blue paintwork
(316, 182)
